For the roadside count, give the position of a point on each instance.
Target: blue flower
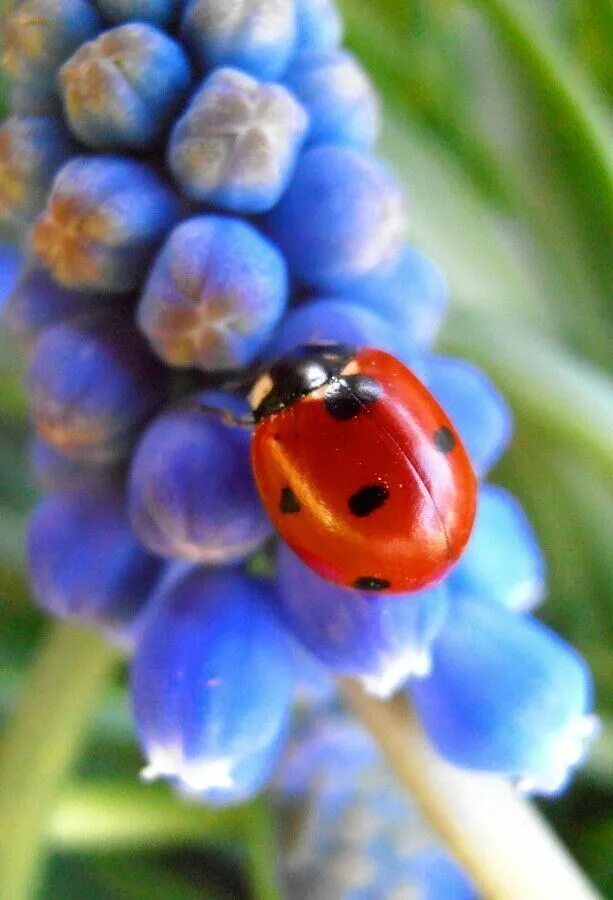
(212, 685)
(339, 98)
(215, 294)
(192, 493)
(255, 35)
(91, 386)
(236, 144)
(105, 217)
(506, 695)
(123, 88)
(39, 35)
(37, 302)
(53, 471)
(85, 563)
(354, 835)
(409, 292)
(32, 149)
(381, 640)
(503, 562)
(336, 319)
(475, 406)
(319, 26)
(341, 217)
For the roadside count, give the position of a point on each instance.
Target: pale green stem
(39, 745)
(499, 838)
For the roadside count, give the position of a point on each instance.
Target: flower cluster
(357, 835)
(195, 189)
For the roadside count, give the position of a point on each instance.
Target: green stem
(99, 816)
(499, 838)
(571, 104)
(39, 746)
(566, 398)
(263, 853)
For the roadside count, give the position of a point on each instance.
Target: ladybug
(359, 468)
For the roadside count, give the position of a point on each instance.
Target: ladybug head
(297, 374)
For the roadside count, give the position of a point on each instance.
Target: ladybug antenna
(224, 415)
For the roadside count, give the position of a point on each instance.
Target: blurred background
(498, 122)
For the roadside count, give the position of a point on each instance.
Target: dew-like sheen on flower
(192, 493)
(104, 219)
(257, 36)
(122, 89)
(236, 144)
(32, 149)
(91, 386)
(341, 217)
(212, 685)
(84, 561)
(215, 294)
(381, 640)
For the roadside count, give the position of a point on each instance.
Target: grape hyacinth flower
(104, 219)
(215, 294)
(256, 36)
(122, 89)
(358, 835)
(339, 98)
(37, 302)
(236, 144)
(32, 149)
(109, 579)
(196, 192)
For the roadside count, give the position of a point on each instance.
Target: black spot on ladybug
(289, 502)
(368, 583)
(347, 397)
(368, 499)
(444, 440)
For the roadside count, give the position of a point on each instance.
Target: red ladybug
(361, 471)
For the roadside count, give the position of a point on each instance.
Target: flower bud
(212, 685)
(84, 562)
(341, 217)
(503, 562)
(38, 36)
(122, 89)
(104, 219)
(236, 144)
(339, 98)
(37, 303)
(255, 35)
(91, 386)
(215, 294)
(381, 640)
(506, 695)
(192, 493)
(32, 149)
(475, 406)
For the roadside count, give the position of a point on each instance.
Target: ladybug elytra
(360, 470)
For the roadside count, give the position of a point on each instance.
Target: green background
(498, 121)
